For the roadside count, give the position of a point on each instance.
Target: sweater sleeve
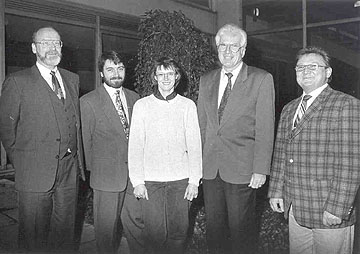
(136, 146)
(193, 143)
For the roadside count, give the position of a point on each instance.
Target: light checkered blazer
(316, 167)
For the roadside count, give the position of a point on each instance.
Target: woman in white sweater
(165, 164)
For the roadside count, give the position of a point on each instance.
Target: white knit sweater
(164, 142)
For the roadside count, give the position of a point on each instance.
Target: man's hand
(257, 180)
(191, 192)
(330, 219)
(277, 204)
(140, 191)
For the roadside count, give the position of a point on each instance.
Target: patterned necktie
(56, 87)
(225, 96)
(122, 115)
(301, 110)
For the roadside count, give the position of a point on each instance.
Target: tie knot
(229, 75)
(52, 73)
(306, 97)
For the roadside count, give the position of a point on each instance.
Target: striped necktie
(225, 96)
(301, 110)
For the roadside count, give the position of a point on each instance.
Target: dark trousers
(166, 216)
(230, 217)
(133, 223)
(47, 219)
(107, 220)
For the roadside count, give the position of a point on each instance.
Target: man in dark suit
(40, 130)
(315, 172)
(236, 116)
(105, 115)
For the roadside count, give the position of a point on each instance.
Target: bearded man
(105, 116)
(40, 130)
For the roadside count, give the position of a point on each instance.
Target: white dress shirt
(224, 80)
(112, 92)
(46, 74)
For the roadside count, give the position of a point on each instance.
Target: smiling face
(309, 80)
(47, 47)
(113, 74)
(229, 59)
(166, 79)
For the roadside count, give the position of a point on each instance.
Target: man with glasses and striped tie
(315, 172)
(40, 130)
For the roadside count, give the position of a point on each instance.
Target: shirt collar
(45, 71)
(234, 72)
(112, 90)
(317, 91)
(158, 95)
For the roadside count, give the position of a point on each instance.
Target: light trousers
(305, 240)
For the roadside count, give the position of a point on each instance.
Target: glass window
(78, 49)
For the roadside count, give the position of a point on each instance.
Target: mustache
(115, 78)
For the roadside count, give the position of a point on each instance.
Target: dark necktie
(225, 96)
(57, 87)
(301, 110)
(122, 115)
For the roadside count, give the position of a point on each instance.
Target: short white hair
(233, 29)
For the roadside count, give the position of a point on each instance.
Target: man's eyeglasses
(311, 67)
(163, 75)
(233, 47)
(49, 44)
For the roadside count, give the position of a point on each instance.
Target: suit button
(291, 160)
(58, 139)
(57, 157)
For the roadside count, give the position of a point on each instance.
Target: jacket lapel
(130, 103)
(236, 94)
(214, 95)
(312, 110)
(109, 110)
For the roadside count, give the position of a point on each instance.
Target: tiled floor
(9, 227)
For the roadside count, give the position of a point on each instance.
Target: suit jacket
(242, 144)
(316, 166)
(105, 143)
(29, 130)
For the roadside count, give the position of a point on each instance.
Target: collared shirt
(313, 94)
(158, 95)
(224, 80)
(112, 93)
(46, 74)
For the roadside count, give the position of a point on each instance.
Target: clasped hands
(191, 192)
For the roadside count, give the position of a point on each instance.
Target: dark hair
(109, 55)
(314, 50)
(166, 63)
(317, 51)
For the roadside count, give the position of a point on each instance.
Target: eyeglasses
(311, 67)
(233, 47)
(163, 75)
(49, 44)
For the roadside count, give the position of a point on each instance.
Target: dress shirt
(313, 94)
(112, 92)
(45, 73)
(224, 80)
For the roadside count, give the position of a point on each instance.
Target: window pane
(78, 49)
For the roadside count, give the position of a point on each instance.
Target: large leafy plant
(174, 35)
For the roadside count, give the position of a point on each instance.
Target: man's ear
(101, 74)
(33, 48)
(328, 72)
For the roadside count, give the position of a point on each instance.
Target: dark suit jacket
(242, 144)
(316, 166)
(29, 130)
(105, 143)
